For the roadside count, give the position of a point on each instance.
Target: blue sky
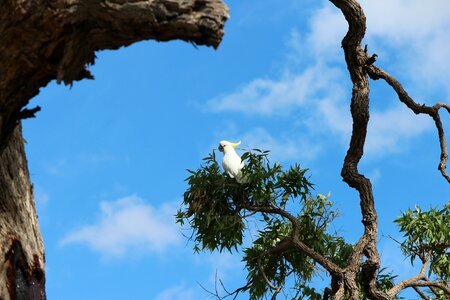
(108, 157)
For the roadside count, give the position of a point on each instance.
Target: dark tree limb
(28, 113)
(21, 248)
(356, 59)
(327, 293)
(360, 65)
(376, 73)
(43, 40)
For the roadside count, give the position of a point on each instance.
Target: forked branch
(295, 242)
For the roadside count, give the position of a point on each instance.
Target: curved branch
(270, 284)
(410, 282)
(356, 59)
(331, 267)
(376, 73)
(434, 284)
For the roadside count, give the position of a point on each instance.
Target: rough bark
(21, 247)
(43, 40)
(356, 59)
(365, 258)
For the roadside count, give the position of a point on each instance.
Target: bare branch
(435, 284)
(277, 211)
(421, 294)
(294, 240)
(433, 111)
(28, 113)
(412, 281)
(216, 294)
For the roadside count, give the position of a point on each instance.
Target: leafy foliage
(427, 234)
(217, 208)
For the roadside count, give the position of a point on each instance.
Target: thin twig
(276, 289)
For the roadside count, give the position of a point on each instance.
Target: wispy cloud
(279, 97)
(401, 20)
(56, 167)
(128, 225)
(224, 266)
(314, 87)
(389, 130)
(327, 28)
(177, 292)
(41, 197)
(420, 32)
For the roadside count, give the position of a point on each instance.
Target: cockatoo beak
(220, 148)
(235, 144)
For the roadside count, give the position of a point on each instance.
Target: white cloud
(419, 31)
(328, 27)
(128, 224)
(410, 34)
(398, 21)
(406, 20)
(224, 266)
(282, 148)
(279, 97)
(177, 292)
(325, 112)
(391, 129)
(430, 65)
(319, 93)
(334, 114)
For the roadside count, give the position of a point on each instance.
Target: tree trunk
(21, 247)
(43, 40)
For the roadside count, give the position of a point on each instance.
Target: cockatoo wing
(239, 177)
(232, 164)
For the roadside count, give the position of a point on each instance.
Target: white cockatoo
(231, 162)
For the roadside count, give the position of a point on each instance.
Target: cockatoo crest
(231, 162)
